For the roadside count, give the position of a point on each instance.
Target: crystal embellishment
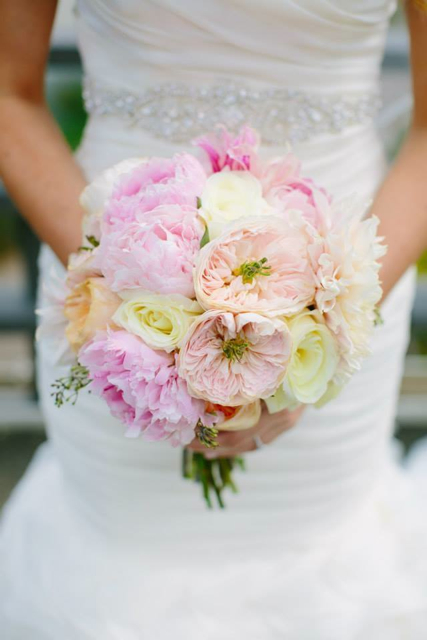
(179, 112)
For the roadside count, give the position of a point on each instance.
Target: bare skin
(42, 177)
(36, 165)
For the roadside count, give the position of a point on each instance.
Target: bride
(327, 537)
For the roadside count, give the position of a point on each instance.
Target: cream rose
(238, 418)
(89, 308)
(313, 363)
(161, 321)
(229, 195)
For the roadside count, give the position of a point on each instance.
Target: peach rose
(89, 308)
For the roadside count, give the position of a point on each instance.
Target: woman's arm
(401, 203)
(36, 165)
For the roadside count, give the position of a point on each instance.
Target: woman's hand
(234, 443)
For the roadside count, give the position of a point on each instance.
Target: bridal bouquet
(206, 286)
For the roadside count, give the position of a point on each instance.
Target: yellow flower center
(234, 349)
(249, 270)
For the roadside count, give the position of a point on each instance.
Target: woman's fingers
(232, 443)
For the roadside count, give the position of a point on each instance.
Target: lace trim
(179, 112)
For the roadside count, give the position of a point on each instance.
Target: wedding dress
(326, 540)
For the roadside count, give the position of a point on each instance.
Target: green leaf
(205, 238)
(93, 241)
(378, 317)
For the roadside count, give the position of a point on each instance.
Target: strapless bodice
(309, 69)
(329, 45)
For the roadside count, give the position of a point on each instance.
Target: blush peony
(155, 252)
(234, 360)
(96, 195)
(159, 181)
(142, 387)
(285, 189)
(260, 265)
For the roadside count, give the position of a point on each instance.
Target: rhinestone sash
(179, 112)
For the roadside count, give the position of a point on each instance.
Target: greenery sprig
(66, 389)
(207, 435)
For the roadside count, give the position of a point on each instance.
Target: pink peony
(260, 265)
(285, 189)
(98, 192)
(227, 151)
(160, 181)
(141, 387)
(279, 171)
(235, 360)
(155, 252)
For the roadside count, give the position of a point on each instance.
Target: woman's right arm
(36, 165)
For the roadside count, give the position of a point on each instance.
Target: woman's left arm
(401, 203)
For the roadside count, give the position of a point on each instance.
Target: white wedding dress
(327, 539)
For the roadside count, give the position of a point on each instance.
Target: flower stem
(214, 475)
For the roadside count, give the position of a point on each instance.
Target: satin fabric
(325, 541)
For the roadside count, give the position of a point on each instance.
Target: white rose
(245, 417)
(229, 195)
(312, 366)
(161, 321)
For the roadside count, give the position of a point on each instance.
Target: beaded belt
(179, 112)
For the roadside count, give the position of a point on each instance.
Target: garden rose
(142, 388)
(89, 307)
(234, 360)
(260, 265)
(312, 365)
(230, 195)
(161, 321)
(156, 252)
